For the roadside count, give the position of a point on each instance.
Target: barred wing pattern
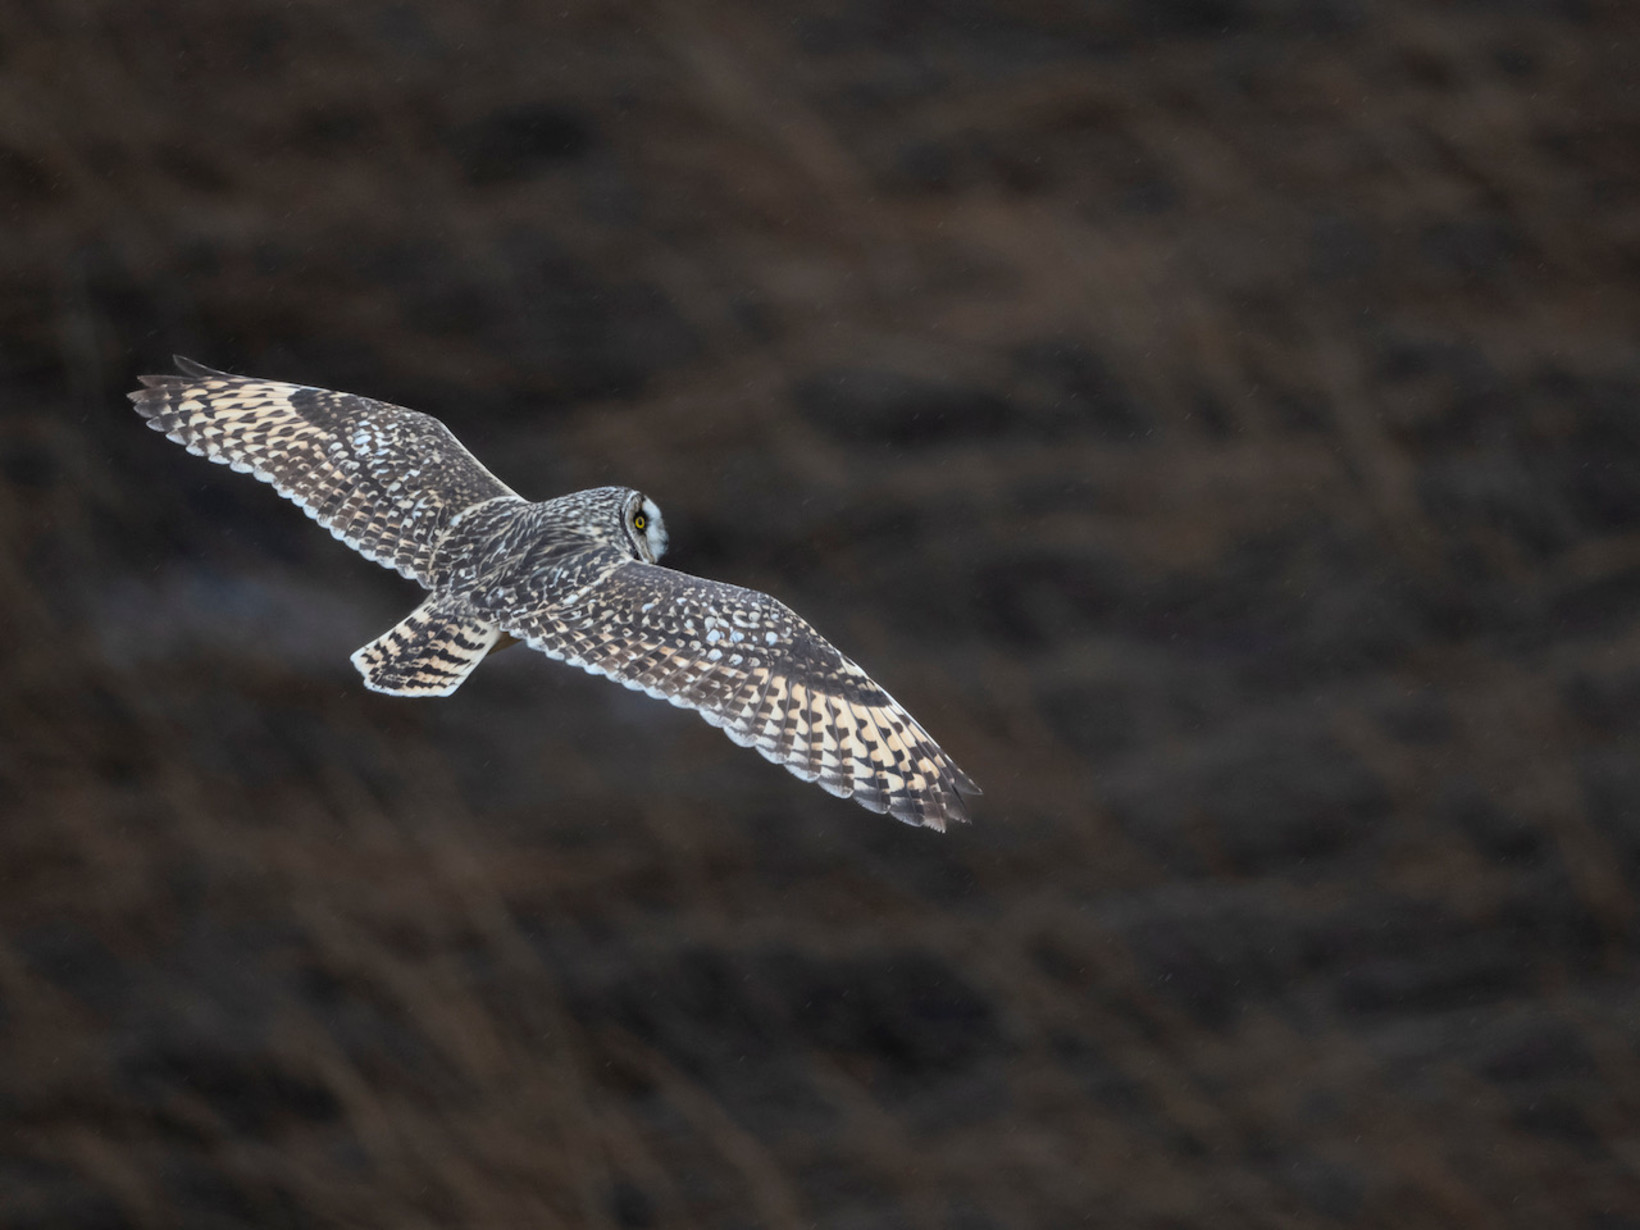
(385, 480)
(751, 666)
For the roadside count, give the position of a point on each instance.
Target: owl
(577, 577)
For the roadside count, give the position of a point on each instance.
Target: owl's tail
(428, 653)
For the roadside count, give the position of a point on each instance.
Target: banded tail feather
(427, 653)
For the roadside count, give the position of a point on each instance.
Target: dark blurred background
(1215, 419)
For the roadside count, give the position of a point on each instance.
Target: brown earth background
(1217, 420)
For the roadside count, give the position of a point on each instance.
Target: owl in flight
(574, 577)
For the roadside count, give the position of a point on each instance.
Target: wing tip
(192, 367)
(934, 813)
(151, 397)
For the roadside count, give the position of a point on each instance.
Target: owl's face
(645, 531)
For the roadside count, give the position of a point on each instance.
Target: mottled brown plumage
(574, 577)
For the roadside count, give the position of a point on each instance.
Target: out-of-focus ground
(1217, 420)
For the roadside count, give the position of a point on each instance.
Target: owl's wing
(385, 480)
(748, 664)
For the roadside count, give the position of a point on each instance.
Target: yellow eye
(640, 521)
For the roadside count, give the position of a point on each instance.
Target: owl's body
(574, 577)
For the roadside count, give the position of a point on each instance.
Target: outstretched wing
(385, 480)
(752, 667)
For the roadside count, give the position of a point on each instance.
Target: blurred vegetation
(1215, 419)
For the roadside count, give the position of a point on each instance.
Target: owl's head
(644, 529)
(614, 516)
